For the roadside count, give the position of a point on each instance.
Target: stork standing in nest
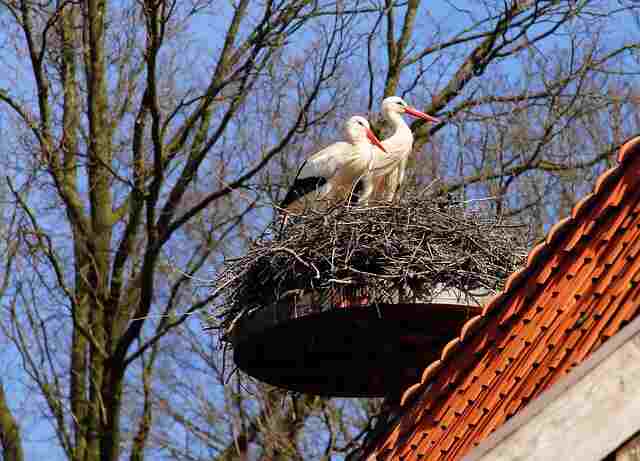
(390, 166)
(338, 172)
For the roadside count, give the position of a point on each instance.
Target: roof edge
(627, 333)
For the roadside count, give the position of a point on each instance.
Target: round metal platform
(358, 351)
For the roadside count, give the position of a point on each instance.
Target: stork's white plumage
(330, 175)
(389, 167)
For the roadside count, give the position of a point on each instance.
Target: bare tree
(109, 149)
(10, 439)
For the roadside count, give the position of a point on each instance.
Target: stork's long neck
(401, 141)
(364, 150)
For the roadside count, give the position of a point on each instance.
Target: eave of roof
(585, 376)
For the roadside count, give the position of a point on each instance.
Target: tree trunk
(9, 432)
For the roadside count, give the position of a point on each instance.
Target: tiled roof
(579, 287)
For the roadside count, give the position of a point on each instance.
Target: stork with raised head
(338, 171)
(389, 167)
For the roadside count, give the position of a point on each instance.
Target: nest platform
(353, 301)
(354, 351)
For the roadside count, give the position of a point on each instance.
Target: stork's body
(338, 171)
(389, 167)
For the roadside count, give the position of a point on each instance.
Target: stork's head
(357, 130)
(395, 104)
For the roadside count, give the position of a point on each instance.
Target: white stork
(338, 171)
(389, 168)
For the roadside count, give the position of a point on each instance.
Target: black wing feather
(302, 187)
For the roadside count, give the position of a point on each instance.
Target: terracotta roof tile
(579, 287)
(470, 327)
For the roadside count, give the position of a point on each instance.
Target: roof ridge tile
(470, 327)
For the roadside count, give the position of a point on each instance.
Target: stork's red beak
(416, 113)
(374, 140)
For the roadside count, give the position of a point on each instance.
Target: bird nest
(406, 251)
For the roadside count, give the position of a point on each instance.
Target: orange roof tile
(579, 287)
